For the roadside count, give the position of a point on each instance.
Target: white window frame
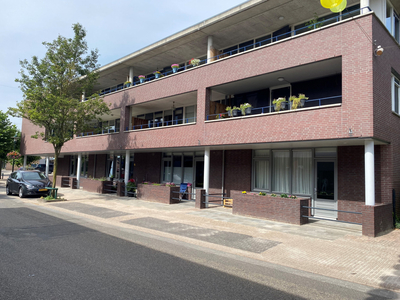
(395, 86)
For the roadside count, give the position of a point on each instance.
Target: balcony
(277, 36)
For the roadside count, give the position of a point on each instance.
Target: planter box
(157, 193)
(270, 208)
(91, 185)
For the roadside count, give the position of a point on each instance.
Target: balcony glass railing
(247, 47)
(152, 124)
(271, 109)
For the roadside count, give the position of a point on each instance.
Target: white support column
(369, 157)
(206, 182)
(78, 170)
(25, 161)
(126, 179)
(83, 95)
(209, 46)
(131, 74)
(47, 166)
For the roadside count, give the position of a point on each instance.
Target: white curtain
(281, 165)
(302, 172)
(261, 174)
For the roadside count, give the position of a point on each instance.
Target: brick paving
(329, 249)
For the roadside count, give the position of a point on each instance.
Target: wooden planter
(279, 209)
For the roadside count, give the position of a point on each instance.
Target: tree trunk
(55, 165)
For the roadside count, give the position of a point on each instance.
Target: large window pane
(261, 174)
(167, 171)
(177, 176)
(302, 172)
(188, 169)
(281, 170)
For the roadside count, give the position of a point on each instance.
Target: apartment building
(339, 146)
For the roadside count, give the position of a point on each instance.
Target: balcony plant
(245, 108)
(175, 68)
(298, 101)
(232, 111)
(194, 62)
(157, 74)
(142, 78)
(127, 83)
(279, 103)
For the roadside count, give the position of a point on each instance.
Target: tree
(53, 87)
(7, 132)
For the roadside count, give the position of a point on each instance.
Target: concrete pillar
(369, 157)
(209, 46)
(126, 179)
(131, 74)
(206, 183)
(25, 161)
(47, 166)
(364, 3)
(78, 170)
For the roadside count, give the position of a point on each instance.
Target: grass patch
(51, 199)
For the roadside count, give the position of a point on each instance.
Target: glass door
(325, 189)
(199, 174)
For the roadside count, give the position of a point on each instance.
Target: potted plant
(279, 103)
(127, 83)
(141, 78)
(156, 74)
(175, 68)
(245, 108)
(232, 111)
(131, 187)
(298, 101)
(194, 62)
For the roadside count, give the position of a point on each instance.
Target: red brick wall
(345, 40)
(63, 166)
(154, 193)
(100, 160)
(216, 158)
(237, 170)
(147, 167)
(377, 219)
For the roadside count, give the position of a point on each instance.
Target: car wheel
(8, 191)
(21, 193)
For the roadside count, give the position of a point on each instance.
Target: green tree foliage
(7, 132)
(53, 87)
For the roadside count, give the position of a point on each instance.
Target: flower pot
(282, 106)
(302, 102)
(127, 85)
(247, 111)
(141, 80)
(235, 113)
(174, 70)
(157, 75)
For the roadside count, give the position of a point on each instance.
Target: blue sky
(115, 28)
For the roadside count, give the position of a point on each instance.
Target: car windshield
(33, 176)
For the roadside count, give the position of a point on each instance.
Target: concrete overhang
(246, 21)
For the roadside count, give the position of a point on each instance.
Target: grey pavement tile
(92, 210)
(224, 238)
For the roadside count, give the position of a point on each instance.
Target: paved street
(97, 246)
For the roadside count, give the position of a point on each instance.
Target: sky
(116, 29)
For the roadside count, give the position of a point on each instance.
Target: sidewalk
(327, 248)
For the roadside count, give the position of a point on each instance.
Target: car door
(18, 181)
(12, 182)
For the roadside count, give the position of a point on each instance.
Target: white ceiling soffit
(301, 73)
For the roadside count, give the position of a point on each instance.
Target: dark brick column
(200, 199)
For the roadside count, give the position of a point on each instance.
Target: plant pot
(127, 85)
(141, 80)
(157, 75)
(174, 70)
(247, 111)
(235, 113)
(302, 102)
(282, 106)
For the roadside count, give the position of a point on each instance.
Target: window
(281, 171)
(395, 94)
(177, 167)
(301, 172)
(392, 21)
(261, 166)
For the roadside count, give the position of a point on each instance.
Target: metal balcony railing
(271, 109)
(159, 124)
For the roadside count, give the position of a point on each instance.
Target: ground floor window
(286, 171)
(74, 164)
(179, 167)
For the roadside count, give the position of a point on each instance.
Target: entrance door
(199, 174)
(325, 189)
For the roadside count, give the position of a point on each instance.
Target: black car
(42, 168)
(26, 183)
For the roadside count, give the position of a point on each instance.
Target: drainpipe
(47, 166)
(25, 161)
